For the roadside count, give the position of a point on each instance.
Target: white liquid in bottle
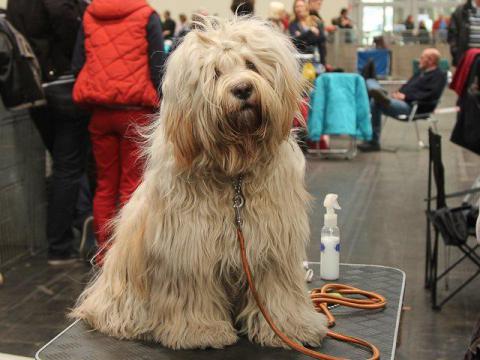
(330, 257)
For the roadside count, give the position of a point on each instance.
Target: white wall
(330, 8)
(3, 4)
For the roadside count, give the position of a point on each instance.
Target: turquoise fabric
(339, 105)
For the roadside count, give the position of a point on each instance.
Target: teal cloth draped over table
(339, 105)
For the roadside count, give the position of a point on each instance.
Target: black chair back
(436, 164)
(427, 107)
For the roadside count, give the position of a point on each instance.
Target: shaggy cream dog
(174, 273)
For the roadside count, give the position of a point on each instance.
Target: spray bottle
(330, 241)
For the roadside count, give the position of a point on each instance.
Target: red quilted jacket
(116, 71)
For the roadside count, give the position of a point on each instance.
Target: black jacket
(51, 28)
(169, 25)
(305, 40)
(425, 87)
(459, 31)
(466, 132)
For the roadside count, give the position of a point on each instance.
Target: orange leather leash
(321, 298)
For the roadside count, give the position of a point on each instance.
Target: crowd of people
(441, 23)
(304, 24)
(116, 50)
(421, 33)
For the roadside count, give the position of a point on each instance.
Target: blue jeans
(395, 109)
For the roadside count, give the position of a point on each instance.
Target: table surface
(380, 327)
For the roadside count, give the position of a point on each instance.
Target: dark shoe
(380, 96)
(87, 243)
(369, 147)
(60, 260)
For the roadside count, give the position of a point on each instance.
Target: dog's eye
(217, 74)
(251, 66)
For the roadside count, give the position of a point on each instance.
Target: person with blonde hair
(276, 15)
(307, 31)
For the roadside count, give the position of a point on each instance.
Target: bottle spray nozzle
(331, 204)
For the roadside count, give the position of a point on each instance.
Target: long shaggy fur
(173, 273)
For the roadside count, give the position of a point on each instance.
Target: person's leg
(84, 206)
(128, 167)
(105, 146)
(396, 108)
(68, 154)
(131, 163)
(376, 122)
(374, 144)
(373, 84)
(377, 92)
(45, 125)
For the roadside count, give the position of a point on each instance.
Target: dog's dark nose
(242, 91)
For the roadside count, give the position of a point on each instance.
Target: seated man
(425, 86)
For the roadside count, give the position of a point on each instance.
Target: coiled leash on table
(321, 298)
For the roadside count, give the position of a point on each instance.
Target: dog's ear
(186, 147)
(204, 38)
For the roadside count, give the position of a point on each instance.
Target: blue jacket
(339, 105)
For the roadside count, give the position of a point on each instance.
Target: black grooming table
(380, 327)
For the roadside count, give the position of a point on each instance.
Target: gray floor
(382, 222)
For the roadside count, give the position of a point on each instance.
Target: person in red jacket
(119, 58)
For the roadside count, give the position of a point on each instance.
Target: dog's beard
(247, 121)
(243, 133)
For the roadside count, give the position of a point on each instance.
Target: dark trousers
(396, 108)
(69, 144)
(45, 128)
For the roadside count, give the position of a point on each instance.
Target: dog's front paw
(312, 331)
(309, 329)
(216, 335)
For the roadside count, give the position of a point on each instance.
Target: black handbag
(20, 75)
(452, 225)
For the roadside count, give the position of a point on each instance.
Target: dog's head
(231, 90)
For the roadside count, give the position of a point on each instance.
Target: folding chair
(449, 231)
(427, 114)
